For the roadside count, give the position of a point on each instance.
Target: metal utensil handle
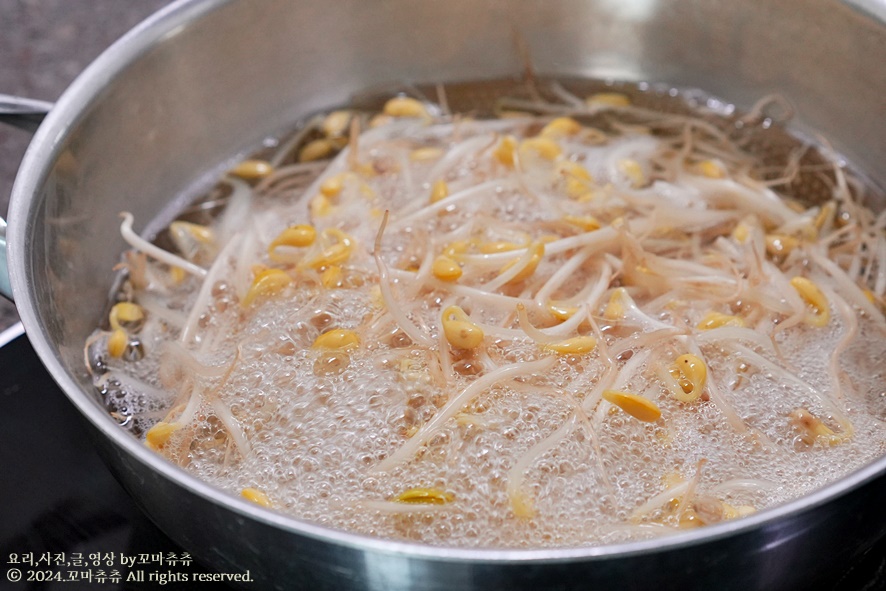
(23, 113)
(26, 114)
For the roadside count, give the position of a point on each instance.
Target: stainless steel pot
(202, 81)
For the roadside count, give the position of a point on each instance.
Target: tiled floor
(44, 45)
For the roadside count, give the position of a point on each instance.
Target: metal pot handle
(25, 114)
(5, 287)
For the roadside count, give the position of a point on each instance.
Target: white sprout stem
(693, 219)
(506, 276)
(798, 307)
(205, 293)
(614, 379)
(190, 410)
(452, 199)
(195, 399)
(644, 339)
(599, 288)
(232, 426)
(782, 286)
(801, 223)
(731, 415)
(735, 333)
(754, 256)
(236, 210)
(407, 173)
(624, 375)
(660, 303)
(577, 417)
(736, 484)
(453, 156)
(690, 490)
(518, 470)
(849, 289)
(526, 185)
(486, 360)
(849, 334)
(589, 294)
(156, 308)
(672, 207)
(140, 244)
(183, 357)
(466, 291)
(496, 259)
(838, 236)
(445, 355)
(771, 301)
(243, 266)
(553, 334)
(211, 342)
(841, 191)
(823, 398)
(659, 500)
(387, 294)
(420, 278)
(595, 241)
(634, 315)
(705, 284)
(561, 275)
(685, 270)
(501, 332)
(764, 203)
(454, 406)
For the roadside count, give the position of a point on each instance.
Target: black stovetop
(60, 506)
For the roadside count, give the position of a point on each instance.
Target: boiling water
(320, 423)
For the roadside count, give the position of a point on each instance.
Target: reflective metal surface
(187, 91)
(5, 286)
(24, 113)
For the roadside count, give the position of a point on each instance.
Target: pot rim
(39, 157)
